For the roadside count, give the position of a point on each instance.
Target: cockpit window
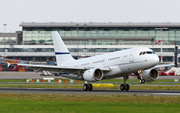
(142, 53)
(146, 52)
(149, 52)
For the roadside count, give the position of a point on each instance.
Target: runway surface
(67, 91)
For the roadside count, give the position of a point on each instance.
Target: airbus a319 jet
(141, 61)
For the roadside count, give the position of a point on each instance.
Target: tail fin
(61, 51)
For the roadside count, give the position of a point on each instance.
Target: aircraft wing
(60, 69)
(163, 65)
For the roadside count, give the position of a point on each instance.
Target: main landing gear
(125, 86)
(88, 87)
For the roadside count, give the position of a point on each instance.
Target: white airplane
(141, 61)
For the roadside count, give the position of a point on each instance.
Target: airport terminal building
(34, 42)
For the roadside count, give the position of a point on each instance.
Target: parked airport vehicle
(5, 64)
(141, 61)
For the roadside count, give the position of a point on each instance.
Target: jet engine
(93, 75)
(150, 75)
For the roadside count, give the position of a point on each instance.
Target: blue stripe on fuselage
(61, 53)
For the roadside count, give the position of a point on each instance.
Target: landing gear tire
(124, 87)
(90, 87)
(142, 81)
(87, 87)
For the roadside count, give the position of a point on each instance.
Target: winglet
(8, 64)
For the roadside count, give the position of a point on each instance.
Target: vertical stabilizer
(61, 52)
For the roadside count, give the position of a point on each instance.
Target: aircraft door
(131, 56)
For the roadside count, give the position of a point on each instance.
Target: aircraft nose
(156, 59)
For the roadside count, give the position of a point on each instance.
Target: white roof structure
(100, 24)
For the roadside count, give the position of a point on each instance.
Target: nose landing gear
(139, 75)
(142, 81)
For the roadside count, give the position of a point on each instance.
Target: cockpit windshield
(146, 52)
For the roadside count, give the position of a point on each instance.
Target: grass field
(156, 85)
(114, 81)
(52, 103)
(25, 106)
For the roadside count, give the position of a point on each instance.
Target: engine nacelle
(150, 75)
(93, 75)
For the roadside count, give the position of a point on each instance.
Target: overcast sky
(14, 12)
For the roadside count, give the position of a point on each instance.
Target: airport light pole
(85, 40)
(161, 41)
(4, 39)
(77, 38)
